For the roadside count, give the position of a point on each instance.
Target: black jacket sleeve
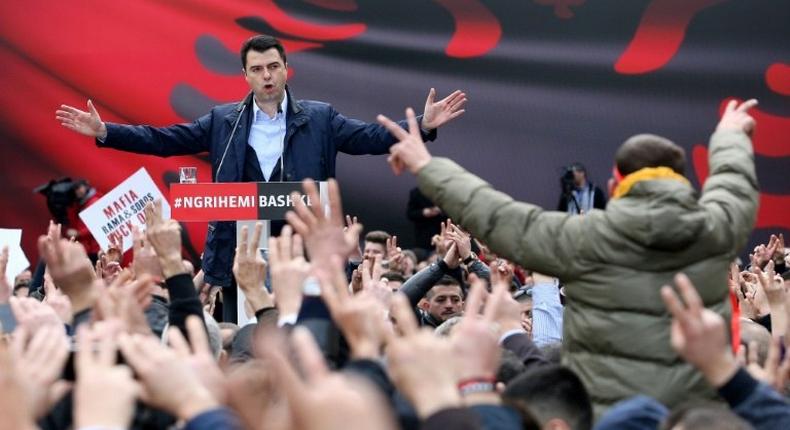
(756, 403)
(184, 300)
(521, 345)
(453, 418)
(421, 282)
(599, 201)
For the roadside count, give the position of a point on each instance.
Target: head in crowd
(227, 331)
(410, 262)
(510, 366)
(554, 395)
(26, 275)
(394, 279)
(214, 335)
(265, 67)
(649, 150)
(375, 244)
(579, 173)
(755, 335)
(21, 288)
(704, 416)
(445, 300)
(445, 329)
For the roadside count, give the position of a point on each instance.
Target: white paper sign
(17, 261)
(113, 216)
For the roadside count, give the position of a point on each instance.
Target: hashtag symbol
(177, 202)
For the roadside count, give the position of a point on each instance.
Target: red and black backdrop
(549, 82)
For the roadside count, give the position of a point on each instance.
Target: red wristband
(483, 384)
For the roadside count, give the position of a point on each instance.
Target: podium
(243, 202)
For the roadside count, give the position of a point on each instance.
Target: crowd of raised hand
(373, 339)
(91, 354)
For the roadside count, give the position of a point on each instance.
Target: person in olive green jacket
(614, 261)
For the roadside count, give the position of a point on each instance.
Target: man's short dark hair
(649, 150)
(549, 392)
(393, 276)
(260, 43)
(510, 366)
(445, 281)
(704, 415)
(377, 236)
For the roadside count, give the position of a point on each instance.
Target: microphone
(240, 109)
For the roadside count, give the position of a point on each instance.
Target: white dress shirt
(267, 136)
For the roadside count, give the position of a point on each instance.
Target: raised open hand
(145, 261)
(105, 392)
(412, 357)
(68, 264)
(40, 357)
(197, 353)
(165, 237)
(288, 269)
(249, 268)
(87, 123)
(475, 339)
(698, 334)
(15, 408)
(169, 380)
(323, 234)
(445, 110)
(362, 317)
(34, 315)
(774, 372)
(124, 301)
(325, 399)
(58, 301)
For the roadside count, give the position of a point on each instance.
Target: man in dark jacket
(268, 136)
(579, 195)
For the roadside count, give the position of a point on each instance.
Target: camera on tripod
(60, 194)
(568, 178)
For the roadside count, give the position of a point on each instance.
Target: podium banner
(235, 201)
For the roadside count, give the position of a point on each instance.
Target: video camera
(60, 195)
(567, 178)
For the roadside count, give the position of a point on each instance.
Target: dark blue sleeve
(453, 418)
(495, 417)
(521, 345)
(756, 403)
(180, 139)
(356, 137)
(214, 419)
(635, 413)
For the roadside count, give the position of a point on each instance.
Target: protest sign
(17, 261)
(111, 218)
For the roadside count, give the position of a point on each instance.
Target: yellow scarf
(646, 174)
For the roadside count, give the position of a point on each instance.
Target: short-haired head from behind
(553, 395)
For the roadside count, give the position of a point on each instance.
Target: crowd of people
(634, 316)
